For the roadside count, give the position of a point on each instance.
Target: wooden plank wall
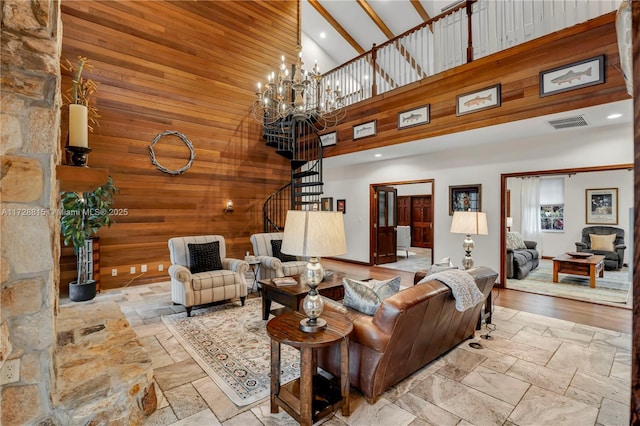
(516, 69)
(191, 67)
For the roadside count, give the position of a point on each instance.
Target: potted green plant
(82, 216)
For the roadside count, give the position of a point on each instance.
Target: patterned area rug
(612, 289)
(231, 345)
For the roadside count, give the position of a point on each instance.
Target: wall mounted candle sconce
(229, 207)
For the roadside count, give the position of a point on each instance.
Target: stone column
(29, 226)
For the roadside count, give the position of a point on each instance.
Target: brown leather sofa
(409, 330)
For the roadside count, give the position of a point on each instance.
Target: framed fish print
(365, 129)
(413, 117)
(587, 72)
(329, 139)
(486, 98)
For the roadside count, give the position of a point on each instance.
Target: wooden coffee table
(587, 266)
(290, 296)
(312, 396)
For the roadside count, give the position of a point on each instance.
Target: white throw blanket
(462, 285)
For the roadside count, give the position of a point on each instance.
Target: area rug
(612, 289)
(231, 345)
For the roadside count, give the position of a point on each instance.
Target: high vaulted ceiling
(350, 27)
(336, 31)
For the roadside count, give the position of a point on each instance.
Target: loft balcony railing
(471, 30)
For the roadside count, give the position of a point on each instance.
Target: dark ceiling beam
(420, 9)
(336, 25)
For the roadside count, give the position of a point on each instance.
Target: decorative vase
(82, 292)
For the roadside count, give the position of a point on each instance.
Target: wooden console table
(312, 396)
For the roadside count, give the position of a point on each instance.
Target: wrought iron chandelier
(298, 95)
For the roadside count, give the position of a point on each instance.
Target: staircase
(297, 141)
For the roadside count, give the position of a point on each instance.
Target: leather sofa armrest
(581, 246)
(419, 276)
(509, 263)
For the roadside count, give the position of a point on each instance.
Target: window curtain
(530, 204)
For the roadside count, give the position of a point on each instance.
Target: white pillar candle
(78, 126)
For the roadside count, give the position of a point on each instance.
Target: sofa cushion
(366, 296)
(204, 257)
(515, 241)
(602, 242)
(276, 246)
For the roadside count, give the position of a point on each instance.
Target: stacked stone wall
(29, 228)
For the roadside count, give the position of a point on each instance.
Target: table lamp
(469, 223)
(313, 234)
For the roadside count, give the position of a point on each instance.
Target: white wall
(481, 164)
(413, 189)
(558, 242)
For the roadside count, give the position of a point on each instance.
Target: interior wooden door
(386, 208)
(422, 221)
(404, 210)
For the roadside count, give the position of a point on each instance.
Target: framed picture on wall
(486, 98)
(572, 76)
(326, 204)
(364, 130)
(465, 198)
(341, 206)
(602, 206)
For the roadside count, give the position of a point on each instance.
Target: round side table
(315, 395)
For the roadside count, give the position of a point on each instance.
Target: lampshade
(509, 221)
(314, 234)
(470, 223)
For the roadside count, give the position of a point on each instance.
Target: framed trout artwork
(587, 72)
(482, 99)
(413, 117)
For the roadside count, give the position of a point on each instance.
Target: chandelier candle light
(298, 95)
(469, 223)
(313, 234)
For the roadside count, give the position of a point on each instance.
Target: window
(552, 204)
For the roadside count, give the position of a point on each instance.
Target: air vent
(569, 122)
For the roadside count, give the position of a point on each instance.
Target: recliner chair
(198, 288)
(272, 266)
(612, 259)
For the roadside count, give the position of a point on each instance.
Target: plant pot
(82, 292)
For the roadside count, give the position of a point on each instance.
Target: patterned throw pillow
(204, 257)
(515, 241)
(366, 296)
(602, 242)
(276, 246)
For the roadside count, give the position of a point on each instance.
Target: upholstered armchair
(201, 273)
(607, 241)
(273, 263)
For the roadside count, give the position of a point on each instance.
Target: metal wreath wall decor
(186, 141)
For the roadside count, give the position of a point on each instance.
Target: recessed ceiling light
(323, 35)
(377, 155)
(612, 116)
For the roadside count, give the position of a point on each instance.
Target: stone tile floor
(536, 371)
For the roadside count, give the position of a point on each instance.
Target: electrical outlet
(10, 371)
(143, 268)
(132, 270)
(114, 272)
(161, 267)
